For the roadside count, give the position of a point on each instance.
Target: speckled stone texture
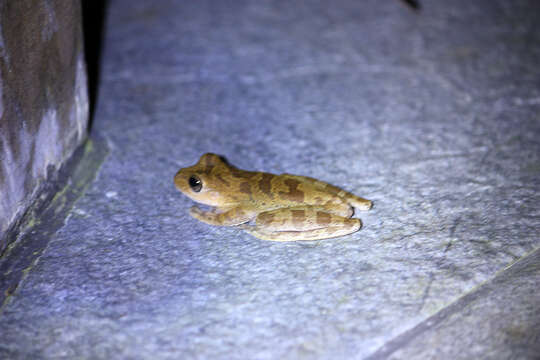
(43, 100)
(510, 331)
(433, 115)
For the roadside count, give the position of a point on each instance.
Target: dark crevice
(94, 13)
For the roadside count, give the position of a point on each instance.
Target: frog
(272, 207)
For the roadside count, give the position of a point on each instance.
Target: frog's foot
(201, 215)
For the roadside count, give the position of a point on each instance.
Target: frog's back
(325, 192)
(294, 190)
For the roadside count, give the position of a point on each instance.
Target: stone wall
(43, 99)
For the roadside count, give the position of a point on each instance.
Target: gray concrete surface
(431, 114)
(500, 320)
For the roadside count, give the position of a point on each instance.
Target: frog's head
(204, 182)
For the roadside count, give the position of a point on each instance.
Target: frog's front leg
(301, 223)
(229, 217)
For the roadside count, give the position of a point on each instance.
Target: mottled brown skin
(271, 207)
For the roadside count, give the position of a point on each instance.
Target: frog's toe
(363, 204)
(196, 212)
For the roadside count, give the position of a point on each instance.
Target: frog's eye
(195, 183)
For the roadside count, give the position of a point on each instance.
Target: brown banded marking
(240, 174)
(245, 188)
(265, 184)
(294, 194)
(340, 208)
(356, 201)
(323, 219)
(209, 161)
(298, 218)
(220, 178)
(237, 173)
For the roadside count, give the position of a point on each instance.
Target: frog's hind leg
(301, 223)
(352, 225)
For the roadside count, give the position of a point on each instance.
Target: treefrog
(270, 207)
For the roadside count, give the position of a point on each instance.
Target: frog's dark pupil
(195, 183)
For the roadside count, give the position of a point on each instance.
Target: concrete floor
(433, 115)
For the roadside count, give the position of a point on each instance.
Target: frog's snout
(179, 180)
